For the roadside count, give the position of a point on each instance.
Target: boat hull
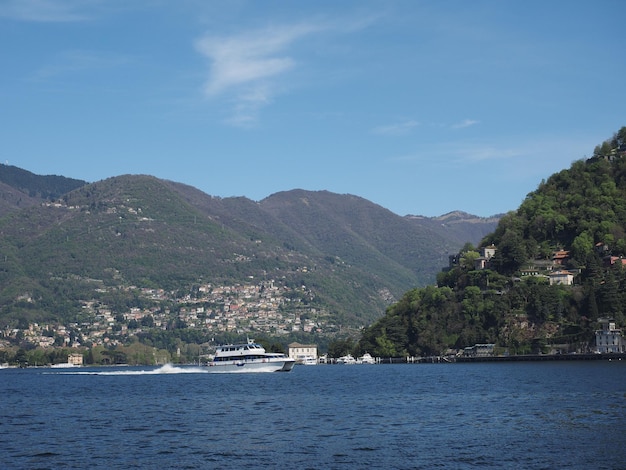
(254, 365)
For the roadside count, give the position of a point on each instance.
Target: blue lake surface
(451, 416)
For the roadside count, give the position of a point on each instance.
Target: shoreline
(547, 357)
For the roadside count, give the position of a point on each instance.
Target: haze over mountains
(354, 256)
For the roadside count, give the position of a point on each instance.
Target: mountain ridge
(354, 255)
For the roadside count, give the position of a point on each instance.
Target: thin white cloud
(250, 57)
(250, 65)
(531, 156)
(461, 153)
(465, 123)
(45, 10)
(401, 128)
(247, 106)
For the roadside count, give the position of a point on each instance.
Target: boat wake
(167, 369)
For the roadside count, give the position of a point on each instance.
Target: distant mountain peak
(20, 188)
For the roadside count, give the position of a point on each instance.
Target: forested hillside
(20, 188)
(109, 246)
(47, 187)
(538, 283)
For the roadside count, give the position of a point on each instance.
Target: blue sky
(423, 107)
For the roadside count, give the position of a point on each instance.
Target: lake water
(451, 416)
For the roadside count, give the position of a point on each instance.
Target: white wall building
(564, 278)
(609, 339)
(299, 351)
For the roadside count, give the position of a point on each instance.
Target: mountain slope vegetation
(20, 188)
(96, 241)
(571, 230)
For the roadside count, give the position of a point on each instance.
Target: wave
(166, 369)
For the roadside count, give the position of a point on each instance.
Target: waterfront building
(479, 350)
(299, 351)
(609, 339)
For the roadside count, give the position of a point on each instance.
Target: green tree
(385, 347)
(340, 347)
(511, 253)
(582, 246)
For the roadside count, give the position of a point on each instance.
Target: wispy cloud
(401, 128)
(45, 10)
(461, 153)
(465, 123)
(247, 106)
(249, 65)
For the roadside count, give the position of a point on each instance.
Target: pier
(546, 357)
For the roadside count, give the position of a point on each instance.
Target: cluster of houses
(553, 269)
(609, 338)
(264, 307)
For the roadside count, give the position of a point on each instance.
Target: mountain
(542, 282)
(20, 188)
(458, 226)
(93, 244)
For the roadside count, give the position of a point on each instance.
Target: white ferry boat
(248, 357)
(63, 365)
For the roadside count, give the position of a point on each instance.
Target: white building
(564, 278)
(489, 251)
(609, 339)
(75, 359)
(299, 351)
(479, 350)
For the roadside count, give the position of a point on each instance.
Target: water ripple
(404, 417)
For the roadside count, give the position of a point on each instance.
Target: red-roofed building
(560, 257)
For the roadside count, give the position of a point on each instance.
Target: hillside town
(265, 308)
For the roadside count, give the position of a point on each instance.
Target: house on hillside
(601, 248)
(531, 271)
(562, 278)
(609, 338)
(489, 251)
(486, 254)
(560, 257)
(614, 260)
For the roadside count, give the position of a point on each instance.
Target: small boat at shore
(248, 357)
(366, 359)
(348, 359)
(306, 360)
